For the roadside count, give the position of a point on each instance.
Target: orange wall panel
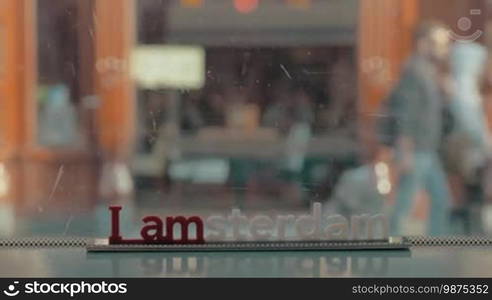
(385, 34)
(385, 40)
(114, 28)
(11, 72)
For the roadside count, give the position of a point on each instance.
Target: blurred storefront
(71, 103)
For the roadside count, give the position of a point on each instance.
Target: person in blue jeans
(426, 173)
(421, 100)
(470, 141)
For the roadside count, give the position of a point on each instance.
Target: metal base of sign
(102, 245)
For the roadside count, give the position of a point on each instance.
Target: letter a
(156, 227)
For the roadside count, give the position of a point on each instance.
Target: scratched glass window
(269, 120)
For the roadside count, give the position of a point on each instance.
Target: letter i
(115, 225)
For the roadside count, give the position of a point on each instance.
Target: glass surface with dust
(264, 109)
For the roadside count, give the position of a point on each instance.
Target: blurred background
(200, 106)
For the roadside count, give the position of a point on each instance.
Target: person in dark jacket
(420, 128)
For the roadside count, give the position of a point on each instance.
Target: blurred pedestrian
(419, 130)
(468, 148)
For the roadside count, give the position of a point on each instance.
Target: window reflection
(203, 106)
(59, 73)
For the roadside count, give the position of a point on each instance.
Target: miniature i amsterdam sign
(239, 232)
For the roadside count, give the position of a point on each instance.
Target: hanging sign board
(169, 66)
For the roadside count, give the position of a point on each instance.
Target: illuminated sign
(246, 6)
(169, 66)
